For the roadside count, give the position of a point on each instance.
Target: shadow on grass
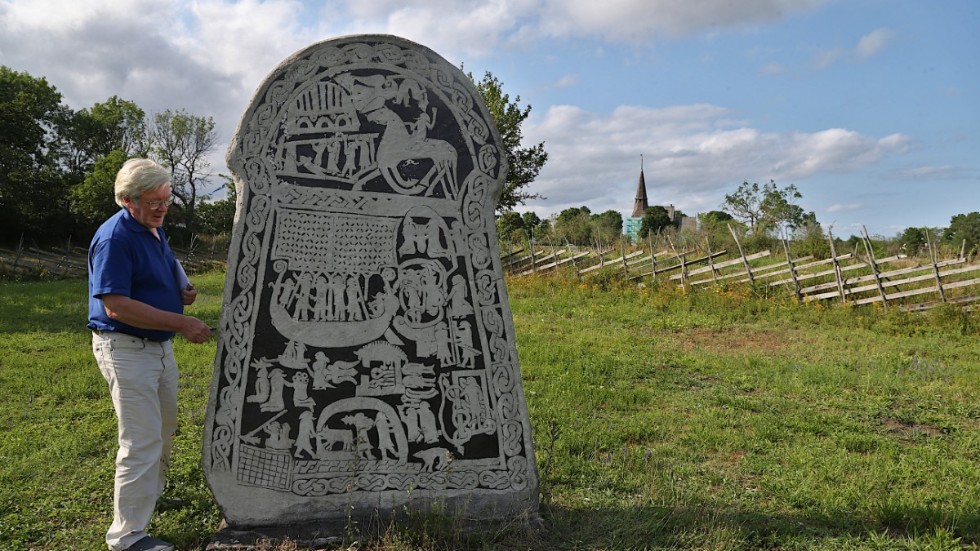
(720, 527)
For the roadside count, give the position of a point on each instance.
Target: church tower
(640, 204)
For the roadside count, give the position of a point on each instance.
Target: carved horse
(399, 146)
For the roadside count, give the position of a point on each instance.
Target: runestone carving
(366, 357)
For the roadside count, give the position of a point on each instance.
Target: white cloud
(617, 20)
(692, 155)
(867, 47)
(772, 69)
(873, 43)
(932, 173)
(844, 207)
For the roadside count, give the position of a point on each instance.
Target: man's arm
(142, 315)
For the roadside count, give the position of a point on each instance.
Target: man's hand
(188, 295)
(195, 330)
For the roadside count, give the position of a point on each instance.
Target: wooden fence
(34, 262)
(850, 278)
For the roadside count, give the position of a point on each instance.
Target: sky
(871, 108)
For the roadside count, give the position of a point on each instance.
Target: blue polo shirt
(126, 259)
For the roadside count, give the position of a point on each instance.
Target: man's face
(151, 208)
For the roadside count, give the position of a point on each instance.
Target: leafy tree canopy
(524, 163)
(766, 209)
(654, 220)
(963, 227)
(32, 198)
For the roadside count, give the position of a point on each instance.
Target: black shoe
(151, 544)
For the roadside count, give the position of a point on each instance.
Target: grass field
(661, 421)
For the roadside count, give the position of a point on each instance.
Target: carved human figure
(458, 305)
(306, 436)
(464, 343)
(432, 293)
(303, 295)
(431, 233)
(261, 393)
(473, 399)
(423, 124)
(356, 310)
(320, 301)
(319, 371)
(286, 290)
(385, 445)
(444, 345)
(336, 288)
(410, 417)
(411, 289)
(277, 380)
(278, 436)
(333, 153)
(362, 425)
(413, 238)
(350, 164)
(301, 392)
(427, 423)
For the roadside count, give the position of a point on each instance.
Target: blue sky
(870, 107)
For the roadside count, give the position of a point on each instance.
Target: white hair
(138, 176)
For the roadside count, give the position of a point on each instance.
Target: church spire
(640, 203)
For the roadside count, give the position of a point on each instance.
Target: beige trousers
(142, 377)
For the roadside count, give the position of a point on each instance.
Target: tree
(963, 227)
(531, 220)
(33, 199)
(574, 225)
(93, 144)
(608, 225)
(912, 240)
(524, 162)
(93, 200)
(510, 226)
(767, 208)
(715, 217)
(183, 142)
(654, 220)
(218, 217)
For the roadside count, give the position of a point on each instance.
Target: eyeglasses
(157, 204)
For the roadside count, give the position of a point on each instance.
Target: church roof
(640, 203)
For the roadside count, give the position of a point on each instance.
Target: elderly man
(137, 293)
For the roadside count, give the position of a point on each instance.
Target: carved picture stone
(366, 358)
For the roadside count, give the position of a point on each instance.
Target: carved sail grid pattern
(323, 242)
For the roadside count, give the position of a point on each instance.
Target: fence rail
(849, 278)
(33, 262)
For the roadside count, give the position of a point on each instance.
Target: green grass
(661, 421)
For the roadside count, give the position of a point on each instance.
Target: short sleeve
(112, 269)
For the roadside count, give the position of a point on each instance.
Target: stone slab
(366, 361)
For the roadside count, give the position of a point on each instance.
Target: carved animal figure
(330, 437)
(398, 146)
(433, 457)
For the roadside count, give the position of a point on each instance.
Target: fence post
(934, 254)
(530, 248)
(711, 261)
(20, 251)
(837, 272)
(792, 272)
(745, 261)
(681, 258)
(874, 268)
(626, 269)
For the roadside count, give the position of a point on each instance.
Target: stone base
(271, 537)
(330, 534)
